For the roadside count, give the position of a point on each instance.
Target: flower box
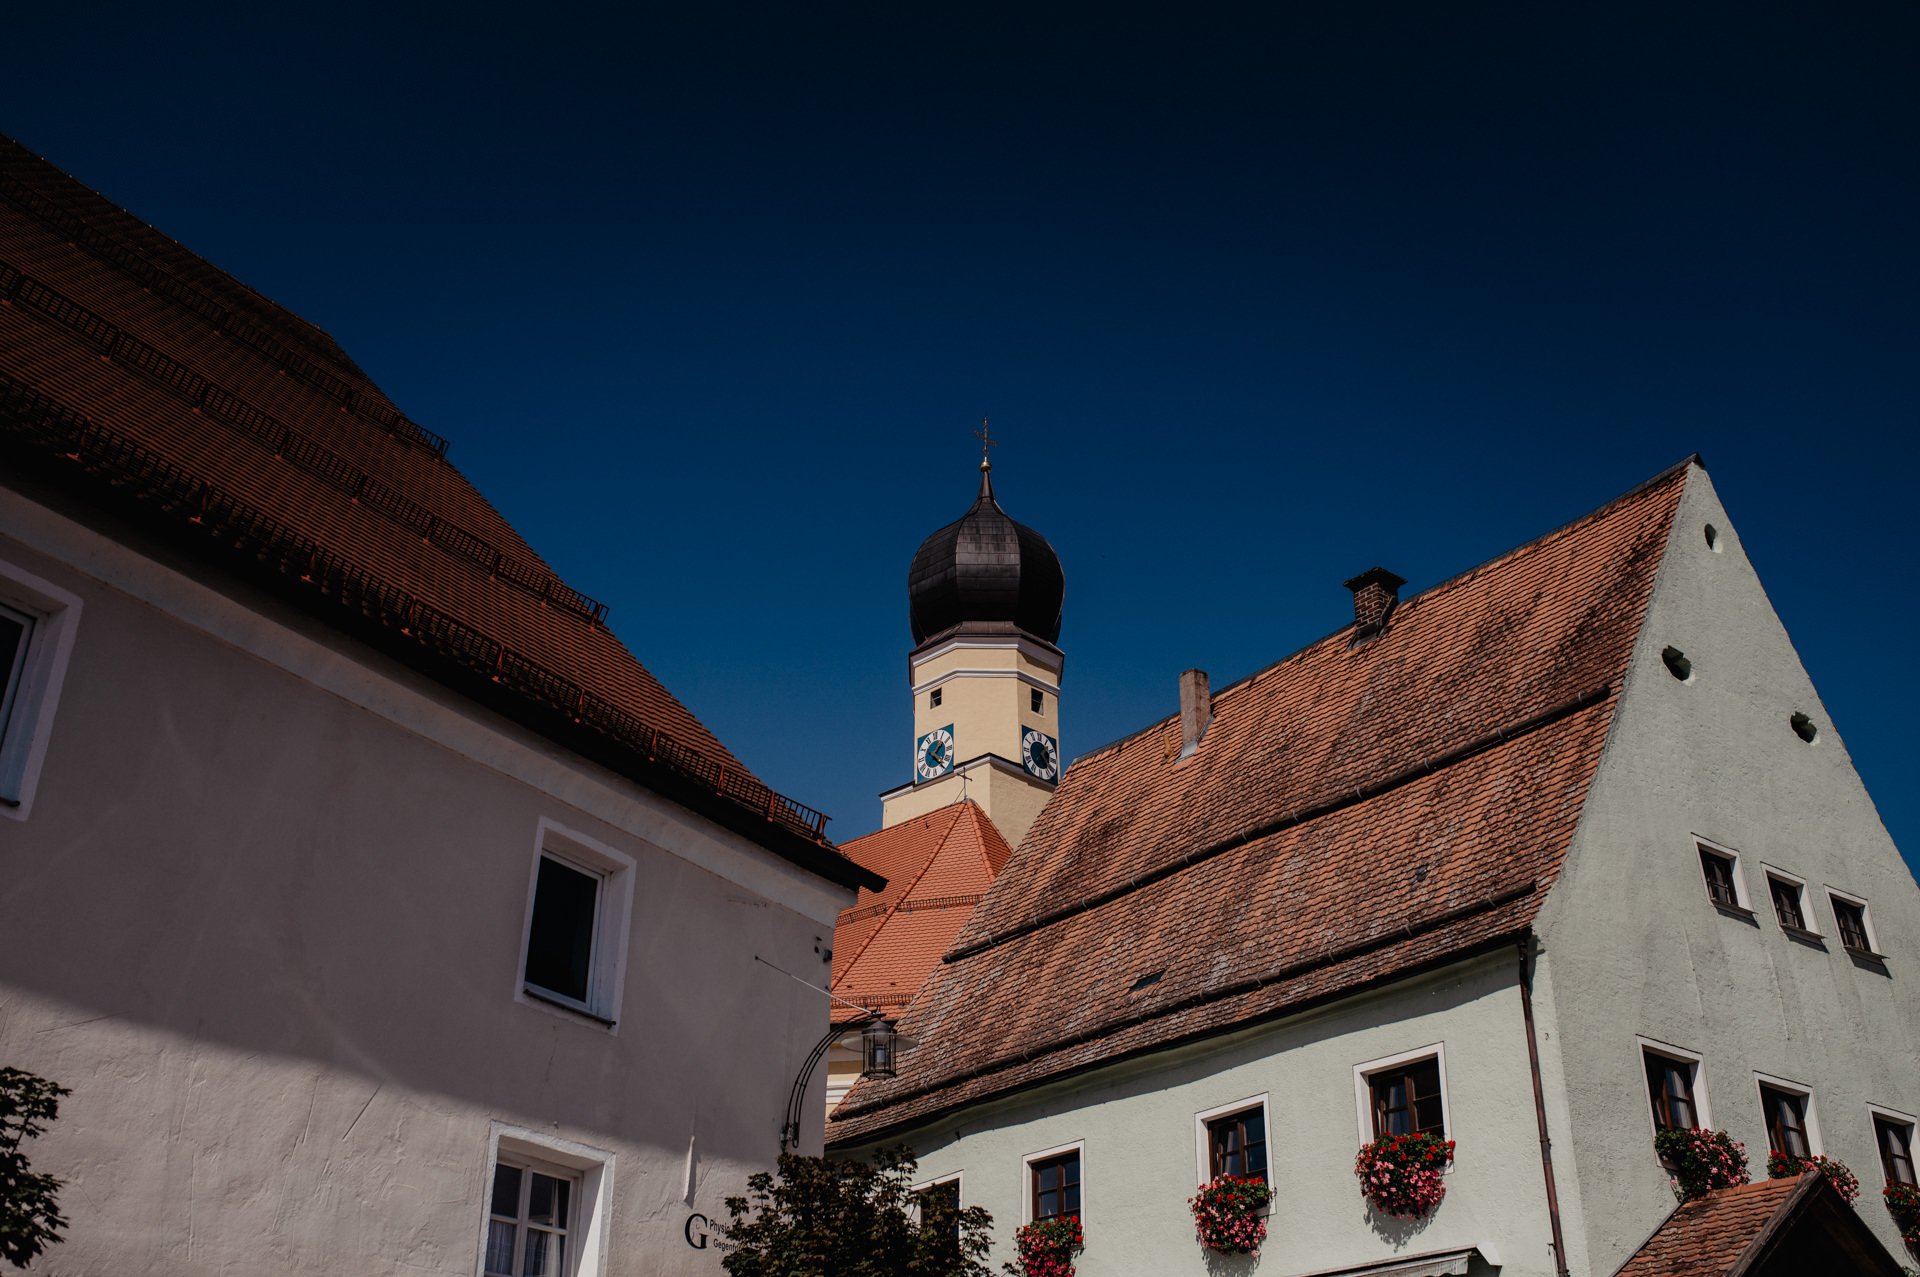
(1401, 1175)
(1229, 1214)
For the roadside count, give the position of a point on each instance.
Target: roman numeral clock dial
(1040, 754)
(933, 753)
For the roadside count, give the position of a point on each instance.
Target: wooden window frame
(1803, 903)
(1702, 1101)
(1809, 1117)
(1363, 1075)
(919, 1191)
(1030, 1167)
(1707, 850)
(1881, 1119)
(1659, 1104)
(1203, 1124)
(1835, 900)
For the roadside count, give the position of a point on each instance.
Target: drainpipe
(1540, 1106)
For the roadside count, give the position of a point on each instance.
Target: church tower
(985, 595)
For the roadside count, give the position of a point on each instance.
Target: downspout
(1540, 1107)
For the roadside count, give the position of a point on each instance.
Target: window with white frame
(1720, 866)
(1851, 922)
(1789, 896)
(1053, 1183)
(547, 1206)
(37, 621)
(1403, 1094)
(579, 903)
(1893, 1134)
(529, 1221)
(936, 1205)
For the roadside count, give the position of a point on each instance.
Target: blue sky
(710, 299)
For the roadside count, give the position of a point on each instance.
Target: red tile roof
(1708, 1235)
(1355, 812)
(155, 383)
(1775, 1228)
(938, 867)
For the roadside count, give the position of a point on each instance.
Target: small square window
(1237, 1144)
(1670, 1088)
(1718, 868)
(529, 1221)
(1055, 1181)
(1786, 1115)
(1789, 904)
(1850, 920)
(1406, 1099)
(1037, 699)
(1895, 1139)
(933, 698)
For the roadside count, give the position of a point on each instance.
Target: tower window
(933, 699)
(1038, 699)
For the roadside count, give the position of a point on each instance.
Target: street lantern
(877, 1042)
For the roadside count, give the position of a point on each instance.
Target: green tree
(30, 1218)
(818, 1218)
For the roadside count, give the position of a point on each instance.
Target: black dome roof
(985, 567)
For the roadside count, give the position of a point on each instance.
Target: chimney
(1196, 710)
(1375, 592)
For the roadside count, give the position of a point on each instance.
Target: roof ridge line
(338, 356)
(211, 399)
(105, 246)
(1299, 816)
(1434, 922)
(1457, 578)
(894, 908)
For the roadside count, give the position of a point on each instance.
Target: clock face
(1040, 753)
(933, 753)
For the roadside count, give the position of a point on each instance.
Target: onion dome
(986, 569)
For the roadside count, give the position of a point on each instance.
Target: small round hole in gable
(1805, 728)
(1713, 538)
(1677, 664)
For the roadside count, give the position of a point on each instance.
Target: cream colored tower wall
(986, 687)
(986, 691)
(1011, 801)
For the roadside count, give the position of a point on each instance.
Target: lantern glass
(877, 1042)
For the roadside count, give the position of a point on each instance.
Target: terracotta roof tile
(1706, 1236)
(937, 868)
(1354, 812)
(112, 330)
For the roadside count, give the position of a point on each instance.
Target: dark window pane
(1786, 904)
(14, 628)
(1852, 921)
(1896, 1149)
(1670, 1087)
(506, 1191)
(1056, 1186)
(1719, 873)
(547, 1201)
(560, 946)
(1406, 1100)
(1786, 1121)
(1239, 1144)
(499, 1249)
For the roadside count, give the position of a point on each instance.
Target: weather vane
(986, 441)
